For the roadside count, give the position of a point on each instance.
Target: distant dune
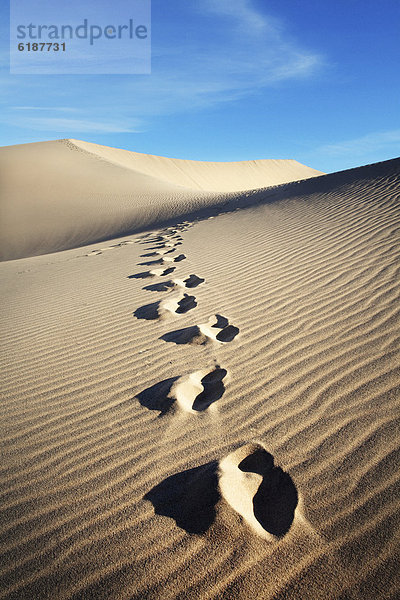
(207, 409)
(62, 194)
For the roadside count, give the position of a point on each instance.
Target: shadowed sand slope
(244, 447)
(66, 193)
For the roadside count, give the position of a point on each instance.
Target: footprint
(162, 245)
(186, 303)
(163, 286)
(199, 390)
(162, 272)
(189, 498)
(227, 334)
(263, 494)
(160, 252)
(193, 281)
(153, 273)
(149, 254)
(226, 331)
(157, 396)
(247, 480)
(143, 275)
(188, 335)
(150, 263)
(217, 329)
(213, 389)
(151, 238)
(173, 258)
(162, 308)
(220, 322)
(149, 312)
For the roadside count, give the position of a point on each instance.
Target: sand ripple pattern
(103, 498)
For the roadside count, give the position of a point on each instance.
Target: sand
(221, 426)
(68, 193)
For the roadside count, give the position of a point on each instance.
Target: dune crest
(67, 193)
(202, 175)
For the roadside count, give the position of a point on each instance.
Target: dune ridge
(68, 193)
(137, 462)
(201, 175)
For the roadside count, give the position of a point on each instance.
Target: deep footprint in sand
(199, 390)
(172, 258)
(185, 304)
(217, 329)
(262, 493)
(246, 480)
(153, 273)
(159, 253)
(226, 331)
(163, 272)
(143, 275)
(163, 308)
(150, 263)
(193, 281)
(189, 498)
(149, 312)
(165, 286)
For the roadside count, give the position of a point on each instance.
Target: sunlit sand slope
(62, 194)
(199, 175)
(210, 410)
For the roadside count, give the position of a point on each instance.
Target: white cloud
(243, 11)
(243, 52)
(221, 52)
(372, 142)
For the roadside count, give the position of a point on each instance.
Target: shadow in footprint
(186, 304)
(213, 389)
(221, 322)
(143, 275)
(151, 240)
(179, 258)
(183, 336)
(148, 312)
(157, 253)
(189, 497)
(163, 286)
(227, 334)
(157, 246)
(156, 396)
(150, 263)
(276, 499)
(193, 281)
(168, 271)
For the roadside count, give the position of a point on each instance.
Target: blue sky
(313, 80)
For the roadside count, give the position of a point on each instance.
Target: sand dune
(244, 447)
(67, 193)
